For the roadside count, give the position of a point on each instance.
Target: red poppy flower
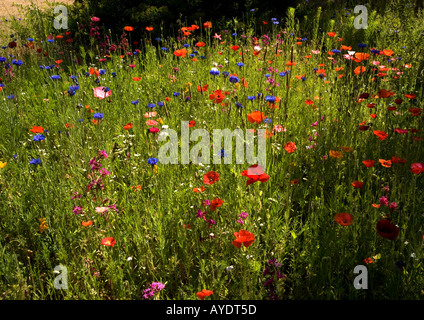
(211, 177)
(398, 101)
(343, 219)
(204, 293)
(109, 241)
(128, 126)
(364, 95)
(192, 123)
(368, 163)
(255, 173)
(201, 189)
(180, 52)
(207, 25)
(87, 223)
(217, 96)
(359, 69)
(387, 52)
(243, 237)
(36, 129)
(309, 101)
(398, 160)
(136, 78)
(215, 203)
(364, 128)
(357, 184)
(204, 88)
(362, 56)
(128, 28)
(410, 96)
(294, 182)
(149, 28)
(331, 34)
(290, 147)
(380, 134)
(401, 131)
(200, 44)
(387, 230)
(385, 163)
(417, 167)
(383, 93)
(255, 117)
(415, 111)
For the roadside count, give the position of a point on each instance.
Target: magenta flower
(384, 201)
(393, 206)
(95, 19)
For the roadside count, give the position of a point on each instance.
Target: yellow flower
(43, 225)
(2, 164)
(160, 120)
(156, 168)
(336, 154)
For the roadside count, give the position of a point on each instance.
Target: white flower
(229, 268)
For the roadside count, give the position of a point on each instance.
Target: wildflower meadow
(259, 158)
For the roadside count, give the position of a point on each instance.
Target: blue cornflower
(114, 74)
(160, 104)
(151, 105)
(55, 77)
(240, 64)
(3, 59)
(186, 45)
(38, 137)
(17, 62)
(73, 88)
(158, 39)
(135, 102)
(176, 94)
(225, 73)
(267, 120)
(10, 97)
(47, 67)
(98, 116)
(234, 34)
(214, 72)
(203, 57)
(362, 45)
(50, 40)
(282, 74)
(267, 75)
(276, 22)
(102, 71)
(30, 39)
(73, 78)
(191, 55)
(251, 98)
(152, 161)
(335, 51)
(195, 51)
(164, 49)
(223, 153)
(35, 161)
(238, 104)
(233, 79)
(106, 89)
(270, 99)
